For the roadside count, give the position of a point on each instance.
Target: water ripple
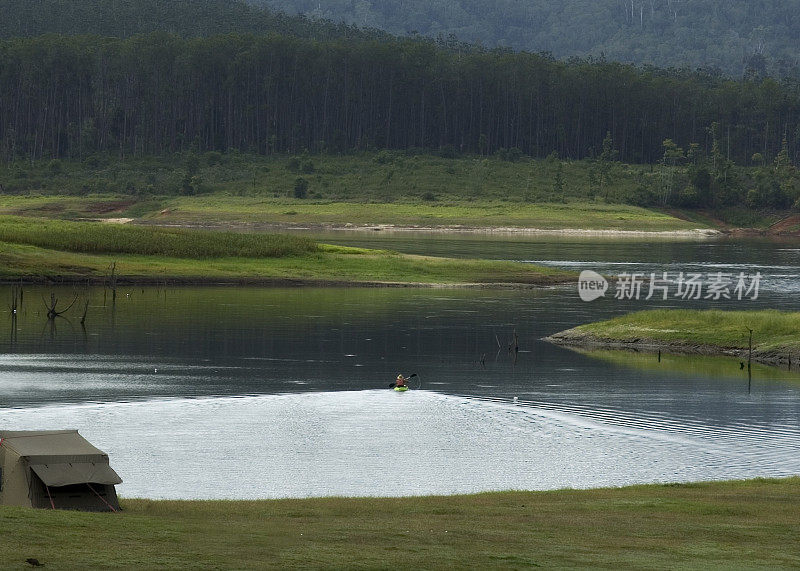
(354, 442)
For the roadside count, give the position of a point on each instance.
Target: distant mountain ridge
(750, 38)
(739, 37)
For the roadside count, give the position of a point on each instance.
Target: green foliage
(767, 193)
(673, 154)
(293, 164)
(300, 188)
(782, 160)
(447, 152)
(609, 154)
(55, 167)
(213, 158)
(558, 180)
(511, 155)
(187, 185)
(388, 176)
(688, 197)
(384, 158)
(223, 94)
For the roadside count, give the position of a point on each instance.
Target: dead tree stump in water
(52, 311)
(85, 309)
(112, 280)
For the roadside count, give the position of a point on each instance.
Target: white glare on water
(381, 443)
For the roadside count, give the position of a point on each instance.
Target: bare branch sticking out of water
(52, 311)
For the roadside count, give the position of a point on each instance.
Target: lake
(216, 392)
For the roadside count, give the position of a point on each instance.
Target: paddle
(411, 376)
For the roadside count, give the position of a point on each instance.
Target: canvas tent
(55, 469)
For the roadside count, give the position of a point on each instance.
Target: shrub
(511, 155)
(300, 188)
(293, 165)
(213, 158)
(688, 197)
(448, 152)
(384, 158)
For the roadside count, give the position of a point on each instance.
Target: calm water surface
(175, 383)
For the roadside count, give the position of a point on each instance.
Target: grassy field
(726, 525)
(32, 249)
(374, 188)
(772, 329)
(776, 334)
(484, 213)
(224, 209)
(170, 242)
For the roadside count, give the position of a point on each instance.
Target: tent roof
(67, 474)
(51, 443)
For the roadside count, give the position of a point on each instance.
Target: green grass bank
(776, 334)
(477, 214)
(40, 249)
(724, 525)
(223, 209)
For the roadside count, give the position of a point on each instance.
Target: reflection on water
(779, 259)
(365, 442)
(285, 381)
(692, 365)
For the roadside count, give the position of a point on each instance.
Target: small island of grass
(36, 250)
(775, 341)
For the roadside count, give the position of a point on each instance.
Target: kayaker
(401, 381)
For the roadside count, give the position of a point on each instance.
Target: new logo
(591, 285)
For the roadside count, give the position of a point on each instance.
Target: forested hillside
(72, 96)
(187, 18)
(742, 38)
(736, 36)
(321, 88)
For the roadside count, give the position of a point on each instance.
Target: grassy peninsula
(749, 524)
(39, 249)
(776, 334)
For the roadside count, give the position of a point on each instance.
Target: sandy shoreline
(516, 230)
(200, 281)
(693, 233)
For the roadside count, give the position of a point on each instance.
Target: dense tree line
(736, 36)
(154, 94)
(186, 18)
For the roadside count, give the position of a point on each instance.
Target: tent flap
(79, 473)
